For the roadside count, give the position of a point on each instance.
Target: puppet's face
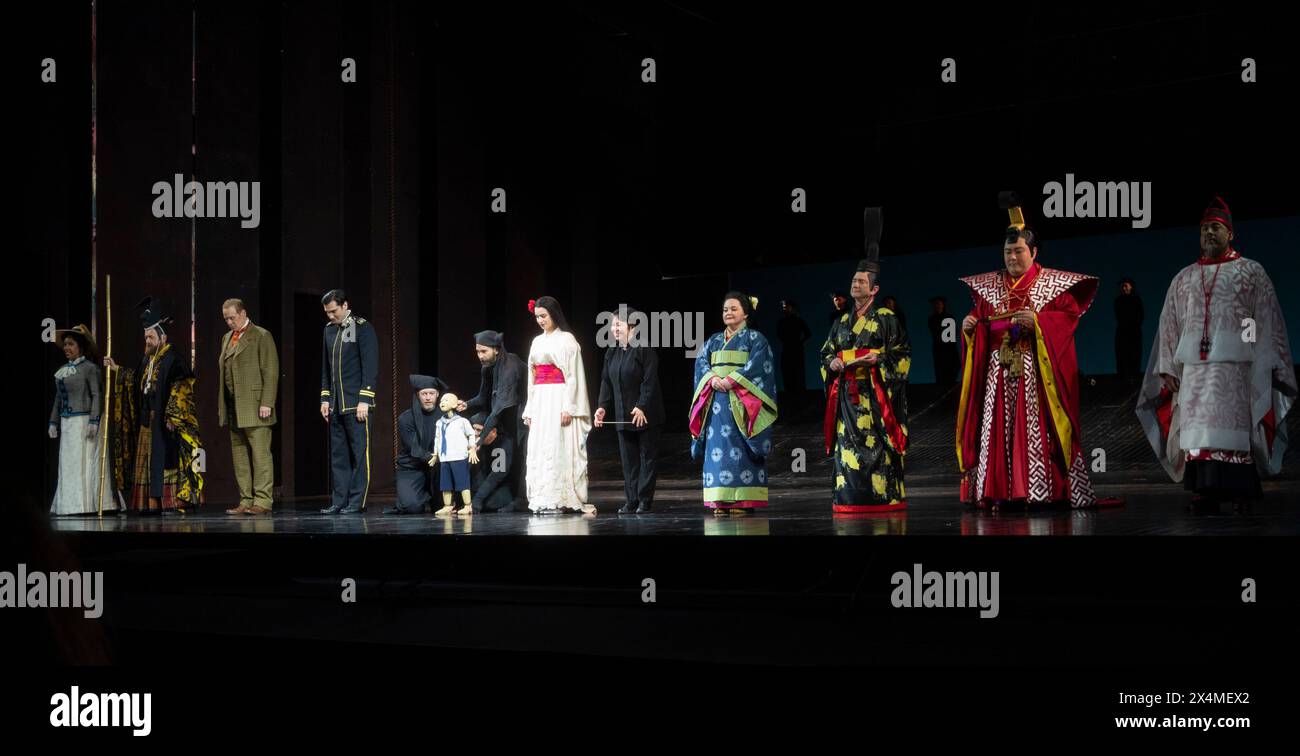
(428, 399)
(448, 402)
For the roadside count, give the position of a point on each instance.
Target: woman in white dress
(75, 422)
(558, 416)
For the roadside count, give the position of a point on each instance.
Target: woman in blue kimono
(732, 411)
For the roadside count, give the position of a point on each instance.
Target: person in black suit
(349, 374)
(944, 353)
(839, 306)
(629, 391)
(1128, 331)
(793, 333)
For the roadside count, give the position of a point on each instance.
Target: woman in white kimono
(558, 416)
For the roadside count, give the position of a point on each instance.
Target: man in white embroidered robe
(1217, 389)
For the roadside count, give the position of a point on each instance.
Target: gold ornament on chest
(1009, 356)
(1009, 352)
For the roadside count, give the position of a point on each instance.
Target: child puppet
(454, 441)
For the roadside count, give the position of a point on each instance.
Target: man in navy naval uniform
(348, 375)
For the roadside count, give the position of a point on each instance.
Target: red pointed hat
(1218, 211)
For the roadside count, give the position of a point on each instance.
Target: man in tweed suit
(250, 376)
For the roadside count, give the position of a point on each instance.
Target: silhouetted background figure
(1128, 331)
(839, 306)
(891, 303)
(945, 353)
(793, 333)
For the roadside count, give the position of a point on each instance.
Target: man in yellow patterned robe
(156, 433)
(865, 361)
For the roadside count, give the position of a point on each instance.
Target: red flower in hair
(532, 303)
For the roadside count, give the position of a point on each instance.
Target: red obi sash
(892, 427)
(752, 404)
(544, 373)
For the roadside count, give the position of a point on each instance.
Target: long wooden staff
(108, 389)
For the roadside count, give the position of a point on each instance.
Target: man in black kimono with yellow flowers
(156, 424)
(864, 363)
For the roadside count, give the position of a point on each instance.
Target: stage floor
(1149, 509)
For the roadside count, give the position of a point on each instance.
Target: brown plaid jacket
(255, 369)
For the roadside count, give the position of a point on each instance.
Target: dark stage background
(618, 190)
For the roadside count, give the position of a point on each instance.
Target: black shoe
(645, 507)
(395, 511)
(351, 510)
(627, 508)
(335, 509)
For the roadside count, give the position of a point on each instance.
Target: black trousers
(349, 460)
(945, 364)
(414, 489)
(639, 451)
(792, 368)
(1128, 353)
(1222, 480)
(494, 489)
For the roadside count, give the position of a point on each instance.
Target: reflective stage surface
(1149, 509)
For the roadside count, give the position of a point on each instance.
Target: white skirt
(78, 487)
(557, 454)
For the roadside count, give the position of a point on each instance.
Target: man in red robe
(1018, 421)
